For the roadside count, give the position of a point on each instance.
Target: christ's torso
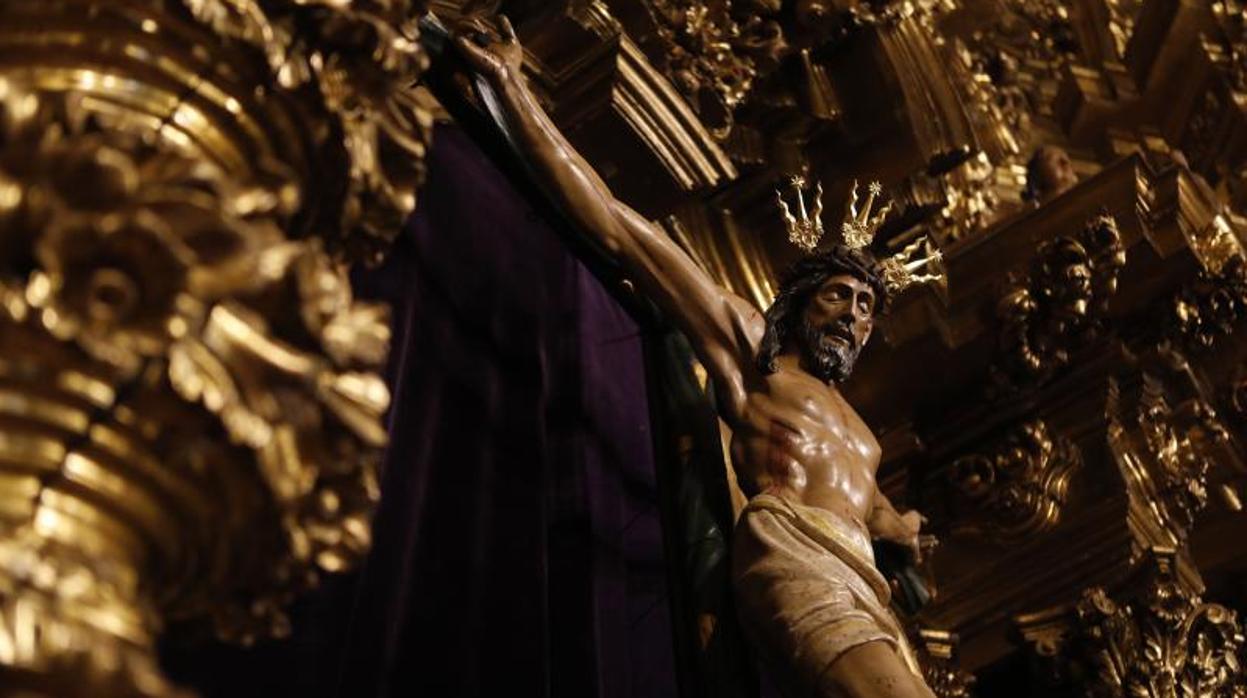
(799, 439)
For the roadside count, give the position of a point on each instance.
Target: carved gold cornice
(681, 141)
(616, 77)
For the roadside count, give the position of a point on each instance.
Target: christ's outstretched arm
(723, 328)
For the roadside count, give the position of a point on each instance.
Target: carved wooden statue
(808, 591)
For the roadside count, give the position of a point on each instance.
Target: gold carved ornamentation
(1057, 307)
(189, 394)
(1166, 451)
(1007, 74)
(964, 190)
(1210, 307)
(1046, 635)
(713, 52)
(891, 14)
(1121, 21)
(1166, 642)
(1218, 244)
(1200, 139)
(1175, 438)
(937, 653)
(358, 60)
(1018, 488)
(1231, 15)
(1155, 638)
(1022, 53)
(966, 198)
(175, 372)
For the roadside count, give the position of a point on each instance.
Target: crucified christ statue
(808, 593)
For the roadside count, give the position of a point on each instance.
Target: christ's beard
(830, 361)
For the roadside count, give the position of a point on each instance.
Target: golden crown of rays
(805, 228)
(916, 263)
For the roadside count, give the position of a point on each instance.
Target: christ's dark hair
(799, 283)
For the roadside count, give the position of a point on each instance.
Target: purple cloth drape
(517, 549)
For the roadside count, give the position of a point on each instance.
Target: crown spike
(900, 270)
(850, 208)
(859, 226)
(817, 213)
(872, 192)
(805, 228)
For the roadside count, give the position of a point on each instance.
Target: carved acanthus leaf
(1156, 638)
(1164, 643)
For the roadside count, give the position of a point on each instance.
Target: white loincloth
(807, 590)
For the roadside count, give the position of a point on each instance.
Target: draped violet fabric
(517, 549)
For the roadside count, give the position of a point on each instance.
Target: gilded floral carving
(190, 405)
(357, 60)
(1167, 642)
(1210, 307)
(714, 52)
(1155, 638)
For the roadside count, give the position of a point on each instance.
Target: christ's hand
(494, 53)
(886, 524)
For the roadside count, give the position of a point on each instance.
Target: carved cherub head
(1049, 173)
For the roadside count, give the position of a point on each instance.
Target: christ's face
(835, 325)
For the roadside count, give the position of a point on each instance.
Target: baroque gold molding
(1018, 487)
(1165, 450)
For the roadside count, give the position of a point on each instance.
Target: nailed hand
(490, 48)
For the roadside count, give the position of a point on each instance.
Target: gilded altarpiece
(1068, 408)
(182, 363)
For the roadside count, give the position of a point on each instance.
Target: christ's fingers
(479, 58)
(508, 31)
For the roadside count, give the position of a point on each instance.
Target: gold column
(189, 400)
